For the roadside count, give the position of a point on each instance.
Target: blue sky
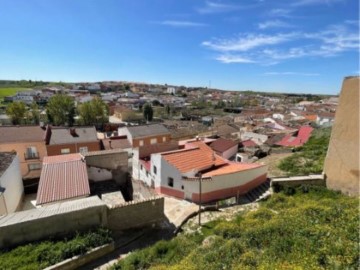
(286, 46)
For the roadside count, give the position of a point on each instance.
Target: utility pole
(200, 198)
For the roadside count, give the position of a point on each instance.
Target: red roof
(232, 168)
(249, 143)
(221, 145)
(196, 156)
(302, 137)
(62, 177)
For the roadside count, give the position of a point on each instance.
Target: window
(31, 153)
(170, 181)
(34, 166)
(153, 141)
(83, 150)
(164, 139)
(65, 151)
(141, 143)
(155, 169)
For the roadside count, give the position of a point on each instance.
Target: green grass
(309, 158)
(312, 229)
(9, 91)
(43, 254)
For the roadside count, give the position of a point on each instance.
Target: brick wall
(147, 141)
(54, 150)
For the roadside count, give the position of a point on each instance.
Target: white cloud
(216, 7)
(183, 23)
(247, 42)
(314, 2)
(227, 59)
(273, 24)
(291, 73)
(273, 49)
(280, 12)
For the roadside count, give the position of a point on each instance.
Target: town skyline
(302, 46)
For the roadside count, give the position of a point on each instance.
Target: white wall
(230, 152)
(226, 181)
(124, 131)
(12, 182)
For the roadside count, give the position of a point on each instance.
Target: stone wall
(278, 184)
(136, 214)
(342, 161)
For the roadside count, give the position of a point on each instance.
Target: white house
(259, 139)
(11, 185)
(176, 173)
(171, 90)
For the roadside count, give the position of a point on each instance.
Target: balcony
(31, 156)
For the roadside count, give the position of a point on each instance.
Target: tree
(16, 111)
(168, 109)
(61, 110)
(94, 112)
(35, 114)
(148, 112)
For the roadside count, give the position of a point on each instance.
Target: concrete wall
(286, 182)
(52, 220)
(97, 174)
(342, 161)
(136, 214)
(12, 183)
(148, 140)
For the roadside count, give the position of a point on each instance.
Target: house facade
(176, 173)
(145, 135)
(69, 140)
(28, 142)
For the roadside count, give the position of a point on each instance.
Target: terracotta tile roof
(311, 117)
(302, 137)
(21, 134)
(232, 168)
(249, 143)
(62, 177)
(221, 145)
(147, 150)
(116, 144)
(196, 156)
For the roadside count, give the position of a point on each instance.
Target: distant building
(11, 185)
(171, 90)
(297, 139)
(145, 135)
(224, 148)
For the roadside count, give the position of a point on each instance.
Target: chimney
(73, 132)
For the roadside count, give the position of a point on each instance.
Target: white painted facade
(12, 185)
(230, 152)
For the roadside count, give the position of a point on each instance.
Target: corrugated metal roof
(62, 177)
(302, 137)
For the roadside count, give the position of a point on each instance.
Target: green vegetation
(312, 229)
(61, 110)
(16, 111)
(43, 254)
(10, 91)
(310, 157)
(93, 112)
(148, 112)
